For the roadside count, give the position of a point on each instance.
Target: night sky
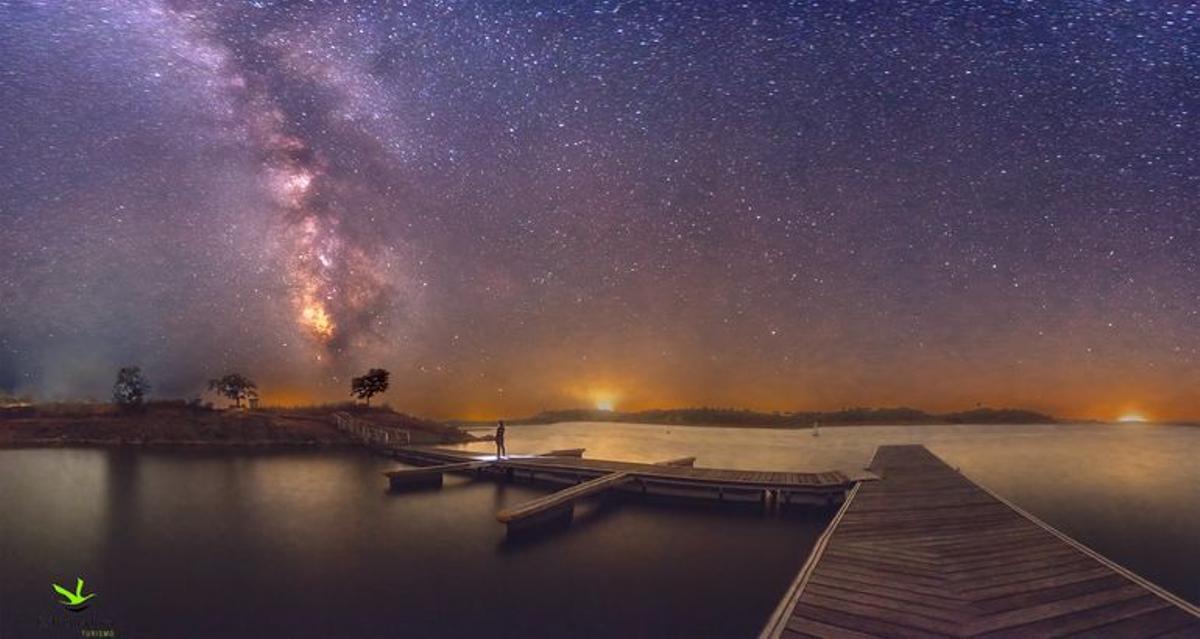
(525, 205)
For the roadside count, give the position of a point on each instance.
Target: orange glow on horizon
(288, 397)
(538, 389)
(484, 411)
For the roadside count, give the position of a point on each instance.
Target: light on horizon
(1132, 418)
(605, 400)
(600, 396)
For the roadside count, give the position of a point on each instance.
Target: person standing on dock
(501, 451)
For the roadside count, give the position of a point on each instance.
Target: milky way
(516, 206)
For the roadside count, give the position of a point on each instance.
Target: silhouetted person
(501, 451)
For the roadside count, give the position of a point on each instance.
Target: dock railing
(371, 434)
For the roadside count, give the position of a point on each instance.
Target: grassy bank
(180, 424)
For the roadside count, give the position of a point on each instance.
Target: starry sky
(516, 206)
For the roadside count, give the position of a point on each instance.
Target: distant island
(799, 419)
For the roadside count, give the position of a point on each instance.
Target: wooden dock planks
(559, 506)
(927, 552)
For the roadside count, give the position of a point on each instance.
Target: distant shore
(737, 418)
(175, 424)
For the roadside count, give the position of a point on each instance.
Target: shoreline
(840, 425)
(286, 430)
(800, 426)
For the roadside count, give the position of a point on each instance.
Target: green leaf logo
(75, 601)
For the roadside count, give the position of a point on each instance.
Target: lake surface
(310, 544)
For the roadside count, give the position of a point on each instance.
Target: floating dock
(926, 552)
(589, 477)
(674, 477)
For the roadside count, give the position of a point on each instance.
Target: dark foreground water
(310, 544)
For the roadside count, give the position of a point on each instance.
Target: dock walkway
(927, 552)
(557, 505)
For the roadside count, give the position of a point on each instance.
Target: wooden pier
(926, 552)
(916, 549)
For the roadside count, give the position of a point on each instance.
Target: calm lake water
(310, 544)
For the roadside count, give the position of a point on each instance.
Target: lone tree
(130, 388)
(235, 386)
(373, 383)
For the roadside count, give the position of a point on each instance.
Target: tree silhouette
(373, 383)
(131, 387)
(235, 386)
